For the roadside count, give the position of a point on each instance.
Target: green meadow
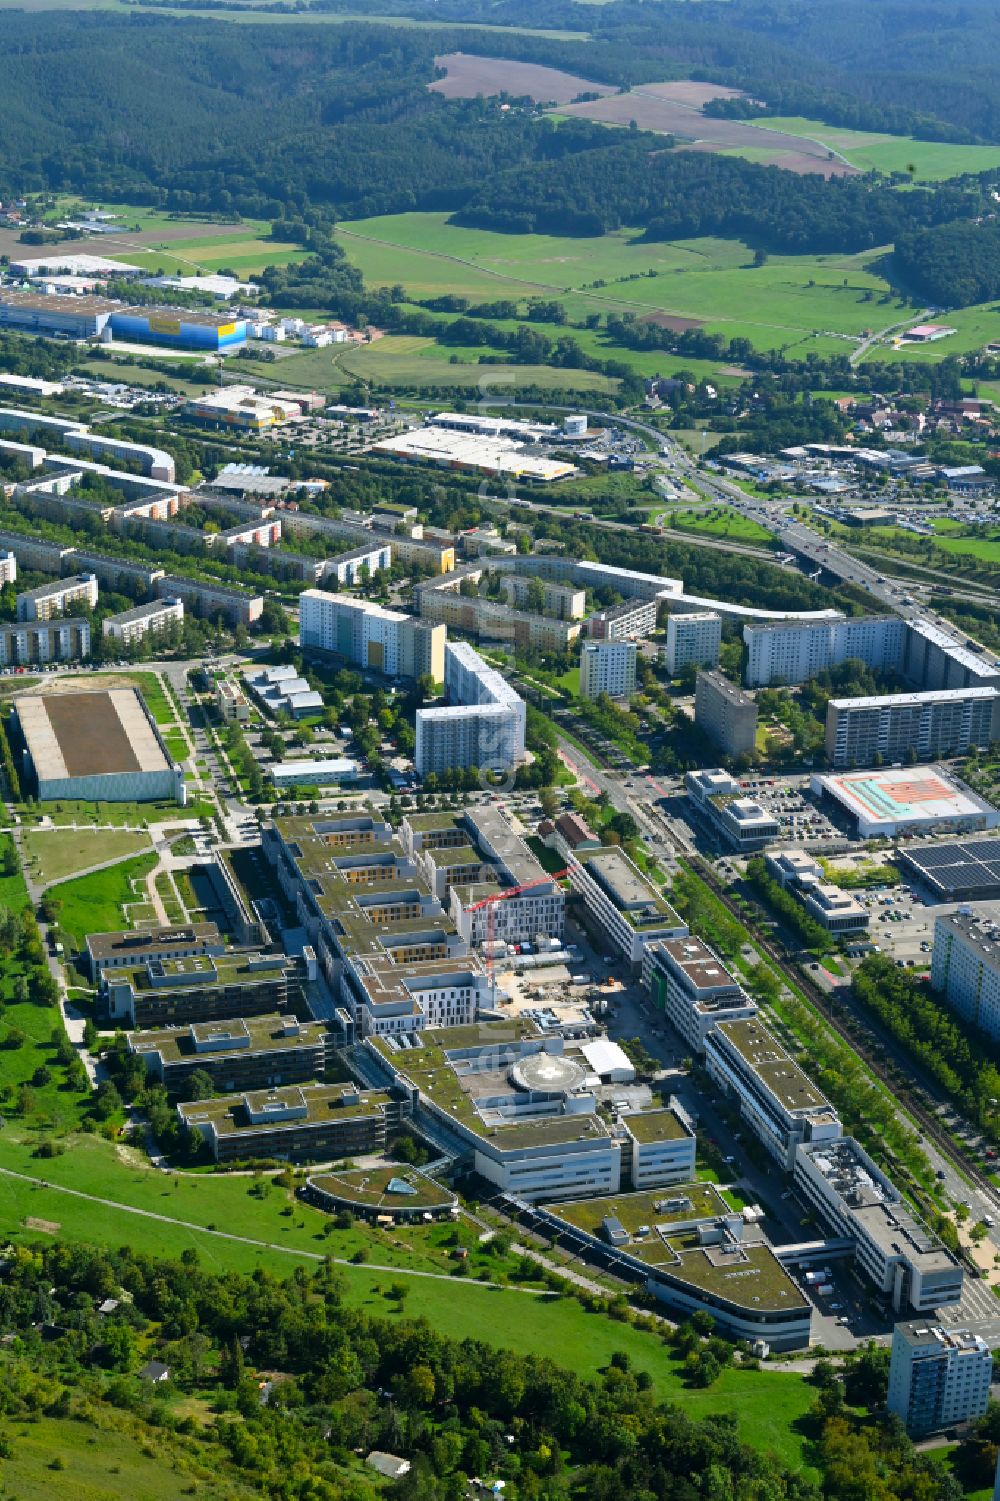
(932, 161)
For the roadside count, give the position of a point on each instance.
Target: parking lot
(801, 820)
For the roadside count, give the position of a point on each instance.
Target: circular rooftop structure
(547, 1073)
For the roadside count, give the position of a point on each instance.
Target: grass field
(767, 1405)
(410, 360)
(933, 160)
(96, 903)
(55, 854)
(803, 304)
(719, 521)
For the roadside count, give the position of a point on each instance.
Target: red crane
(490, 903)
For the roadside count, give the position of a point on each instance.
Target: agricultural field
(467, 76)
(819, 304)
(870, 152)
(56, 854)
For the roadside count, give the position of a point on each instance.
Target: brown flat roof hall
(93, 733)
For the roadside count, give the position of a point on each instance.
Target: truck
(824, 1289)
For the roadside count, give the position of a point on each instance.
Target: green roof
(370, 1188)
(655, 1125)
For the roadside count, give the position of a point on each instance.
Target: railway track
(928, 1123)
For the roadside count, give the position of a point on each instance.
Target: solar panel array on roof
(959, 870)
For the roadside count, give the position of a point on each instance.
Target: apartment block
(780, 1104)
(693, 640)
(58, 640)
(237, 606)
(631, 620)
(58, 597)
(371, 636)
(231, 703)
(937, 1377)
(907, 1264)
(726, 714)
(483, 723)
(949, 722)
(965, 965)
(693, 988)
(608, 667)
(475, 616)
(144, 620)
(792, 651)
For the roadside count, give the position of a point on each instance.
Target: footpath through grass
(55, 854)
(96, 903)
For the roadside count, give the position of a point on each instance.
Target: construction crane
(490, 903)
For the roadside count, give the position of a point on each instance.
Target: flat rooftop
(960, 868)
(94, 733)
(201, 971)
(85, 307)
(316, 1104)
(379, 1188)
(702, 969)
(243, 1036)
(649, 1126)
(120, 945)
(777, 1071)
(913, 795)
(635, 898)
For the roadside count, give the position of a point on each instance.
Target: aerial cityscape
(499, 751)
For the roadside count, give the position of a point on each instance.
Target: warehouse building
(98, 746)
(241, 407)
(959, 870)
(371, 636)
(54, 316)
(178, 328)
(144, 620)
(910, 800)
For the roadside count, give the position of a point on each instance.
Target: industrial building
(623, 907)
(66, 639)
(694, 639)
(891, 727)
(179, 328)
(725, 714)
(54, 316)
(965, 964)
(608, 667)
(937, 1377)
(144, 620)
(485, 455)
(693, 988)
(906, 800)
(93, 317)
(242, 407)
(49, 600)
(97, 746)
(58, 262)
(339, 771)
(778, 1101)
(905, 1261)
(371, 636)
(483, 724)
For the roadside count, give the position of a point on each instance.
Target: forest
(78, 1323)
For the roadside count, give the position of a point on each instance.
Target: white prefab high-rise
(382, 640)
(693, 640)
(608, 667)
(965, 966)
(794, 651)
(482, 725)
(937, 1377)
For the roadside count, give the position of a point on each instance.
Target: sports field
(803, 304)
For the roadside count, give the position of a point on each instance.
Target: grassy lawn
(95, 903)
(767, 1405)
(114, 1461)
(13, 892)
(720, 521)
(113, 815)
(57, 853)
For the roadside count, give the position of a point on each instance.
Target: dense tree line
(951, 264)
(956, 1056)
(810, 933)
